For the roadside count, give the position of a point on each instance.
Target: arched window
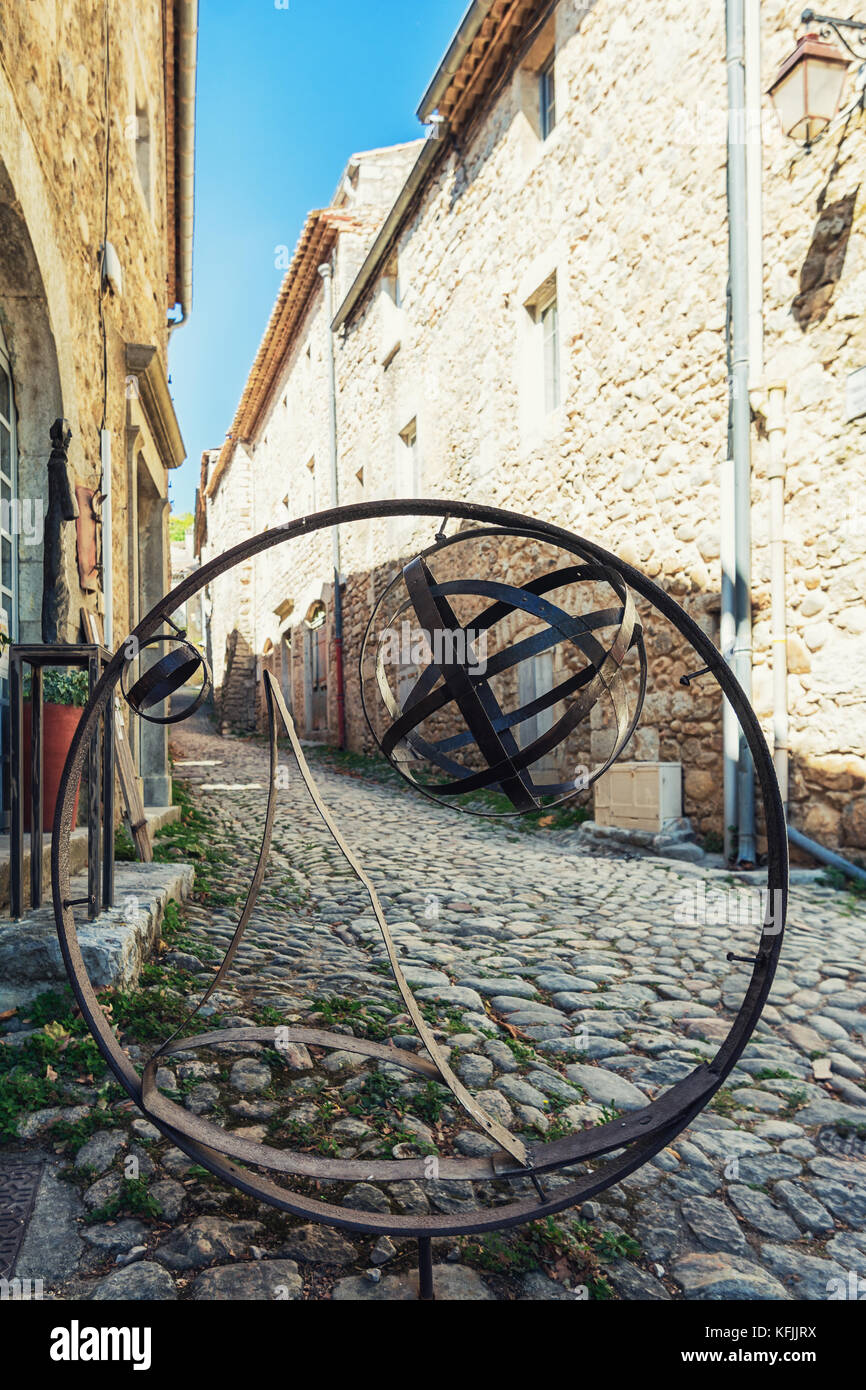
(316, 669)
(316, 616)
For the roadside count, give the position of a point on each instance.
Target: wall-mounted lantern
(807, 91)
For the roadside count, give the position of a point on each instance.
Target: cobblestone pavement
(569, 983)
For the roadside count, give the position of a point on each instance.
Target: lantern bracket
(828, 24)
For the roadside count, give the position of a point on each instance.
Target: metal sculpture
(456, 679)
(498, 762)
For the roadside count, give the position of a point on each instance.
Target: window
(391, 300)
(311, 485)
(391, 282)
(548, 314)
(547, 96)
(316, 669)
(316, 616)
(142, 151)
(408, 477)
(540, 354)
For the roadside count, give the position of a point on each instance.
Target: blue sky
(285, 95)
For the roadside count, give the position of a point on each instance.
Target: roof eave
(457, 50)
(430, 152)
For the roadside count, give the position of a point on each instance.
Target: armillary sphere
(460, 723)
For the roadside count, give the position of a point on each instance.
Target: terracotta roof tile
(315, 245)
(489, 57)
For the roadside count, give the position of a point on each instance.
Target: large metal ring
(632, 1139)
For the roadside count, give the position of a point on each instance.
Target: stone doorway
(316, 671)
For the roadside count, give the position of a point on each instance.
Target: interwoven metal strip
(454, 678)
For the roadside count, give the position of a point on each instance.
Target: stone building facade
(96, 121)
(540, 323)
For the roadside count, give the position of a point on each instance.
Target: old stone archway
(30, 400)
(316, 671)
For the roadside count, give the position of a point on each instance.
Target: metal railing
(100, 776)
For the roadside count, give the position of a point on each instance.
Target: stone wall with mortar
(52, 197)
(625, 204)
(229, 601)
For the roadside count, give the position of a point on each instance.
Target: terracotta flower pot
(59, 723)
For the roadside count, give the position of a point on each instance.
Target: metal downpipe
(326, 271)
(776, 478)
(826, 856)
(741, 411)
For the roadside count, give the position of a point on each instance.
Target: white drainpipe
(776, 436)
(741, 427)
(754, 192)
(727, 638)
(185, 118)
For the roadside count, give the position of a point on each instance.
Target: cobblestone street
(569, 983)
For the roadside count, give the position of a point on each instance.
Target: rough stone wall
(625, 204)
(230, 601)
(52, 177)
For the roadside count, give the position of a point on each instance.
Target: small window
(311, 485)
(548, 316)
(316, 615)
(391, 282)
(409, 435)
(408, 479)
(547, 96)
(391, 300)
(142, 152)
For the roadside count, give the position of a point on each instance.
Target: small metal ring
(166, 668)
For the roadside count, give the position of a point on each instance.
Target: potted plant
(64, 695)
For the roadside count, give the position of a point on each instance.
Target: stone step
(157, 818)
(114, 946)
